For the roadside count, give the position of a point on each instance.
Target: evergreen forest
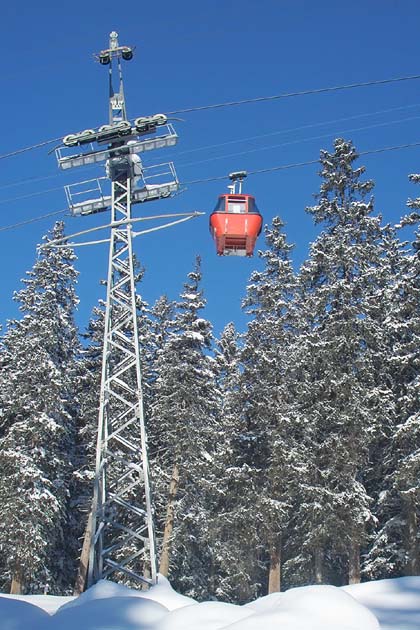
(282, 456)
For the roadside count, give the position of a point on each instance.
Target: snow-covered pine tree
(407, 354)
(274, 453)
(161, 320)
(260, 450)
(184, 410)
(337, 393)
(396, 546)
(81, 489)
(232, 579)
(38, 429)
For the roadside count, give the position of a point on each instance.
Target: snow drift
(110, 606)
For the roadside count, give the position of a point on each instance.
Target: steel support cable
(29, 195)
(282, 167)
(31, 180)
(229, 155)
(4, 228)
(335, 88)
(301, 128)
(299, 141)
(39, 145)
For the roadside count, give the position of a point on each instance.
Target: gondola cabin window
(237, 207)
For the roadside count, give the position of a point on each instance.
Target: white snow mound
(19, 615)
(113, 613)
(395, 602)
(114, 607)
(204, 616)
(309, 608)
(110, 606)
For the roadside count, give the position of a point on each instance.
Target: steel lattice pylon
(119, 540)
(123, 536)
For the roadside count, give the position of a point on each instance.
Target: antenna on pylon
(109, 56)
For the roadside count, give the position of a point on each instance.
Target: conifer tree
(257, 455)
(81, 489)
(161, 321)
(395, 548)
(231, 554)
(273, 452)
(184, 409)
(38, 432)
(339, 399)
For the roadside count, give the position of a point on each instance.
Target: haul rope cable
(335, 88)
(299, 164)
(221, 157)
(31, 180)
(259, 99)
(224, 177)
(22, 223)
(299, 141)
(301, 128)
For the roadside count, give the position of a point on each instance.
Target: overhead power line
(259, 99)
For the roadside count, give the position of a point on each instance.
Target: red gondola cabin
(235, 224)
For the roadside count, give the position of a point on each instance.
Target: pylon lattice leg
(122, 545)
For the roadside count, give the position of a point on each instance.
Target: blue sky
(198, 53)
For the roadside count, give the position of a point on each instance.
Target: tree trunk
(274, 575)
(169, 522)
(413, 563)
(354, 563)
(17, 585)
(79, 585)
(319, 565)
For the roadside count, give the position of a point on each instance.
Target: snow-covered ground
(108, 606)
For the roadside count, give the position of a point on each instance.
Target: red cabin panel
(235, 225)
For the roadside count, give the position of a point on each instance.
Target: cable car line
(39, 145)
(302, 127)
(34, 194)
(335, 88)
(224, 177)
(299, 141)
(4, 228)
(259, 99)
(245, 139)
(274, 146)
(284, 167)
(31, 180)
